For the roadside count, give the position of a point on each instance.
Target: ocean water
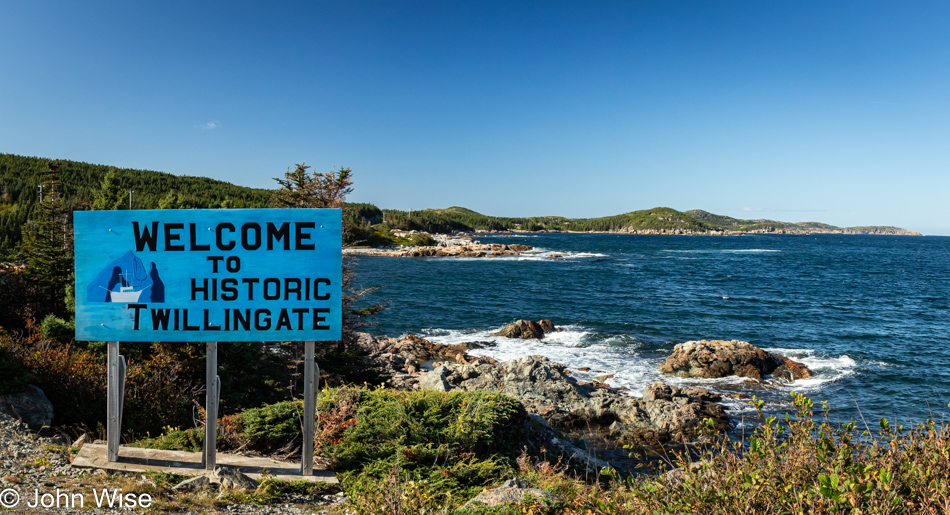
(869, 314)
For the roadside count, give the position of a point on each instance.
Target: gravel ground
(30, 463)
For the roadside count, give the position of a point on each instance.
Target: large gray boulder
(434, 380)
(30, 406)
(230, 478)
(222, 477)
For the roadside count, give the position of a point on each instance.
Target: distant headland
(658, 220)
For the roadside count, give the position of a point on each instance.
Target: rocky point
(719, 358)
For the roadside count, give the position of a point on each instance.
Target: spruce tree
(110, 196)
(298, 189)
(47, 247)
(319, 190)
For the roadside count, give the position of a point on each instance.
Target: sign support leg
(115, 390)
(309, 409)
(212, 395)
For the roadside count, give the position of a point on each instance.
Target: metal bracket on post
(122, 371)
(309, 409)
(115, 396)
(212, 396)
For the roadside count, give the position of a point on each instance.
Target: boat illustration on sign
(126, 292)
(126, 281)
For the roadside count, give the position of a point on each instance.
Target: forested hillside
(81, 183)
(462, 219)
(763, 225)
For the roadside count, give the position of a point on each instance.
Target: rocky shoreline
(447, 246)
(588, 423)
(463, 246)
(875, 231)
(664, 415)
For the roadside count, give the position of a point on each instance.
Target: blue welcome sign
(208, 275)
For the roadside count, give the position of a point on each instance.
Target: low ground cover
(422, 451)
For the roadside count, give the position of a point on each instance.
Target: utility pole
(130, 198)
(41, 193)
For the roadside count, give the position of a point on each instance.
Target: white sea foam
(827, 368)
(541, 254)
(719, 251)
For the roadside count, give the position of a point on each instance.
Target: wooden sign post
(266, 275)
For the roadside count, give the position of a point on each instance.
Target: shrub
(272, 425)
(73, 380)
(436, 448)
(175, 439)
(56, 329)
(421, 239)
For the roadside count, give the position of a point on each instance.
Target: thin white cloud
(214, 124)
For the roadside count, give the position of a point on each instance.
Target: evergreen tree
(110, 196)
(319, 190)
(298, 189)
(171, 200)
(47, 247)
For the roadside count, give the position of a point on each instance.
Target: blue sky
(828, 111)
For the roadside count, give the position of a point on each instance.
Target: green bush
(421, 239)
(56, 329)
(272, 425)
(175, 439)
(443, 447)
(423, 427)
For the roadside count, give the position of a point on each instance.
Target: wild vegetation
(424, 451)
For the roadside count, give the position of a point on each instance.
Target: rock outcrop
(434, 380)
(473, 249)
(31, 406)
(791, 370)
(415, 347)
(513, 491)
(526, 329)
(719, 358)
(403, 360)
(664, 413)
(223, 478)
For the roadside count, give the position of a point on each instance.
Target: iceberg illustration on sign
(126, 281)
